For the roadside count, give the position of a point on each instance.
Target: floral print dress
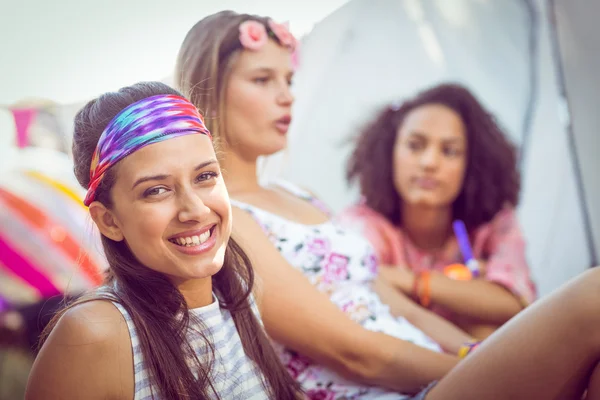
(341, 264)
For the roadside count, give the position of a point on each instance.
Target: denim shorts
(421, 395)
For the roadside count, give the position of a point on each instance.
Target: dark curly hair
(492, 179)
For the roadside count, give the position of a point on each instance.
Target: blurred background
(534, 63)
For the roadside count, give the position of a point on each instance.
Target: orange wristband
(425, 292)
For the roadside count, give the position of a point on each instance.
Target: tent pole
(568, 125)
(528, 117)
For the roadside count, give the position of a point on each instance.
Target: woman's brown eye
(205, 176)
(414, 145)
(154, 191)
(452, 152)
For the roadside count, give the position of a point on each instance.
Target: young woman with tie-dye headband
(329, 327)
(175, 318)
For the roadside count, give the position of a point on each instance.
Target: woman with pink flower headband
(316, 287)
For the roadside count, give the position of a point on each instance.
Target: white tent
(368, 53)
(575, 40)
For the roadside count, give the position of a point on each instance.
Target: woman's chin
(272, 151)
(192, 274)
(205, 270)
(427, 202)
(274, 145)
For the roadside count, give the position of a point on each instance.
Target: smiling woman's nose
(192, 207)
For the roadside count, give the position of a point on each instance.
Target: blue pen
(465, 247)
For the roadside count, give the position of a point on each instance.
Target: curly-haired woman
(422, 165)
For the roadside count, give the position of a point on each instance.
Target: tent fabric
(361, 57)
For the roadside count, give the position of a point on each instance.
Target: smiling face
(430, 156)
(171, 206)
(258, 101)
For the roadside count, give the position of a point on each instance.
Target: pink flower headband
(254, 35)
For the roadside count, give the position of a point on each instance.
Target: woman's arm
(300, 317)
(549, 351)
(505, 288)
(87, 356)
(479, 299)
(446, 334)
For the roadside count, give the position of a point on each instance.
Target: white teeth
(192, 240)
(204, 237)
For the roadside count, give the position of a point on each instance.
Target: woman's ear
(106, 221)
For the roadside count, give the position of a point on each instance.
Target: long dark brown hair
(158, 310)
(492, 180)
(205, 61)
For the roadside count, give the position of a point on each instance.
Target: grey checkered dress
(234, 375)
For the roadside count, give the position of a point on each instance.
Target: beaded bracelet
(467, 348)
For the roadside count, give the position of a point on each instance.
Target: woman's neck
(196, 292)
(428, 228)
(239, 174)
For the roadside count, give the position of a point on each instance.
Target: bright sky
(70, 50)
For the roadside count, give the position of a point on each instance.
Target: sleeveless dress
(342, 264)
(234, 375)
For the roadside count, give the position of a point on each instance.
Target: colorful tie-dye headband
(145, 122)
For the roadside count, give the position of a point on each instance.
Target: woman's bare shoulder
(89, 340)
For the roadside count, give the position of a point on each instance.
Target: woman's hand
(447, 335)
(400, 277)
(400, 304)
